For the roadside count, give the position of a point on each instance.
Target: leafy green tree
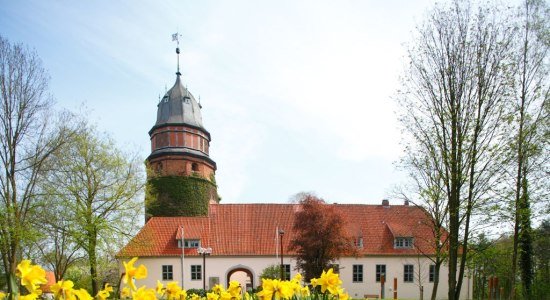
(541, 261)
(490, 258)
(56, 249)
(426, 189)
(30, 132)
(271, 272)
(452, 103)
(527, 155)
(98, 186)
(319, 237)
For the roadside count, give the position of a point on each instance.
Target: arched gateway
(243, 275)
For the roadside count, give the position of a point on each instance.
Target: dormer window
(358, 242)
(403, 242)
(190, 243)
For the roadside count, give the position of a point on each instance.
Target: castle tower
(180, 173)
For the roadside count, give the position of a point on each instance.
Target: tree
(98, 186)
(271, 272)
(320, 237)
(452, 102)
(56, 247)
(531, 92)
(426, 190)
(541, 262)
(29, 134)
(490, 258)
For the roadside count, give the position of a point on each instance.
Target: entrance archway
(243, 276)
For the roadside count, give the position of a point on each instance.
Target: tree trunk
(436, 278)
(525, 240)
(13, 286)
(92, 258)
(453, 251)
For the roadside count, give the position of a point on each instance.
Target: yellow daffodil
(83, 294)
(304, 292)
(105, 292)
(31, 296)
(225, 295)
(212, 296)
(267, 289)
(218, 289)
(295, 285)
(102, 295)
(275, 288)
(314, 281)
(329, 281)
(125, 293)
(285, 290)
(160, 288)
(234, 288)
(132, 273)
(297, 277)
(2, 295)
(63, 289)
(195, 297)
(343, 296)
(183, 294)
(144, 293)
(32, 276)
(173, 290)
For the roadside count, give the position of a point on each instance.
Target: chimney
(406, 203)
(385, 203)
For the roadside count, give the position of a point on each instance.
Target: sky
(298, 95)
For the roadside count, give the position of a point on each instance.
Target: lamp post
(281, 234)
(204, 252)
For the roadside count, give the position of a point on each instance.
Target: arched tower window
(159, 168)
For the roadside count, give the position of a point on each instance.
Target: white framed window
(380, 270)
(286, 272)
(403, 242)
(408, 273)
(190, 243)
(357, 273)
(196, 272)
(167, 272)
(358, 242)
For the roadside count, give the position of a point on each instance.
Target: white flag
(174, 37)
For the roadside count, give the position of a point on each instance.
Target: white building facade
(360, 276)
(243, 243)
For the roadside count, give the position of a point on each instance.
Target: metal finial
(175, 37)
(200, 105)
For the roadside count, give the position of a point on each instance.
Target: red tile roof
(250, 229)
(400, 229)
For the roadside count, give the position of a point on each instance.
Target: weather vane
(175, 37)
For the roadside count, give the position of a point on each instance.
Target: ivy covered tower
(180, 172)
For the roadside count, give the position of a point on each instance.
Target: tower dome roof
(178, 106)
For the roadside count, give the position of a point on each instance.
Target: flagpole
(175, 37)
(182, 254)
(276, 243)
